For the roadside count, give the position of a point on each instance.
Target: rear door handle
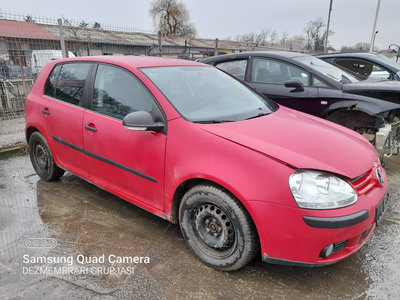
(46, 111)
(91, 128)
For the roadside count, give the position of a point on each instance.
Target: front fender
(368, 105)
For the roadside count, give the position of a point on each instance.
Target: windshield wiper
(213, 121)
(258, 115)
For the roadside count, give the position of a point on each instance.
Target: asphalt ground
(72, 218)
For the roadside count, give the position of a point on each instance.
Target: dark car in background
(369, 65)
(309, 84)
(13, 71)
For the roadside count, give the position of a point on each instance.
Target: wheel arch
(29, 131)
(353, 118)
(188, 184)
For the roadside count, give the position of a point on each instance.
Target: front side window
(236, 67)
(118, 93)
(319, 83)
(327, 69)
(71, 82)
(265, 70)
(208, 95)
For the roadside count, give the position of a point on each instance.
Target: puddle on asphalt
(87, 221)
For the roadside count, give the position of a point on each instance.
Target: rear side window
(118, 93)
(67, 82)
(50, 88)
(364, 68)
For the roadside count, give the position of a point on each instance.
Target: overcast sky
(351, 20)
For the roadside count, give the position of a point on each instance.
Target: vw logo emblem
(380, 177)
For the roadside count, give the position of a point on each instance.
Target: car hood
(388, 90)
(301, 141)
(371, 85)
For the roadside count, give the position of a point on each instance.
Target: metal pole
(398, 50)
(216, 47)
(159, 44)
(327, 28)
(374, 28)
(62, 42)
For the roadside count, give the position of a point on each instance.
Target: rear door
(128, 163)
(62, 109)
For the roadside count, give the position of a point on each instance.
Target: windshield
(327, 69)
(208, 95)
(388, 61)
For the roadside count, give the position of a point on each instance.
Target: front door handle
(45, 111)
(91, 127)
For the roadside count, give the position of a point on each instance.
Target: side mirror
(141, 121)
(296, 84)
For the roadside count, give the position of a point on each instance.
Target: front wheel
(217, 228)
(42, 159)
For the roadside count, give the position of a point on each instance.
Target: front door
(128, 163)
(268, 76)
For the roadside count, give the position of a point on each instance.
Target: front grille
(364, 183)
(339, 246)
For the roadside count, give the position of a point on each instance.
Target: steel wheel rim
(41, 157)
(214, 230)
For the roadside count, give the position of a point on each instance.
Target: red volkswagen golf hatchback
(197, 147)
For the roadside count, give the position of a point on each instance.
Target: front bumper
(294, 236)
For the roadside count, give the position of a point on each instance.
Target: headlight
(319, 190)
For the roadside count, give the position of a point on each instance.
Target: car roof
(277, 54)
(347, 54)
(133, 61)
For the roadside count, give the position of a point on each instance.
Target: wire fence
(28, 42)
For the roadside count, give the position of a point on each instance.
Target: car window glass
(71, 82)
(236, 67)
(118, 93)
(363, 67)
(50, 88)
(206, 94)
(379, 72)
(319, 83)
(266, 70)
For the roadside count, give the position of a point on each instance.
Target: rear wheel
(42, 159)
(217, 228)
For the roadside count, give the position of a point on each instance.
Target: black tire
(217, 228)
(42, 159)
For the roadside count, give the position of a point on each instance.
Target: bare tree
(171, 17)
(284, 38)
(273, 37)
(260, 39)
(315, 33)
(29, 19)
(359, 47)
(83, 24)
(79, 33)
(97, 25)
